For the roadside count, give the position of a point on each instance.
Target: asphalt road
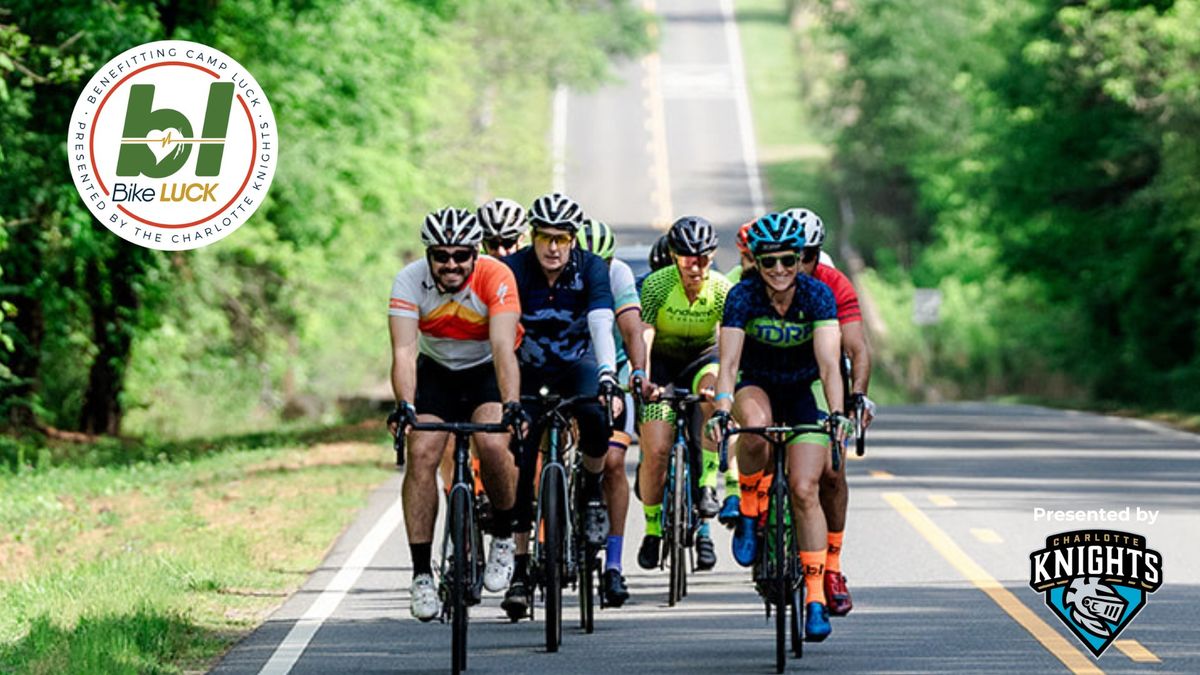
(941, 521)
(973, 473)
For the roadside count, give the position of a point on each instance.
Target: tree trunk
(22, 269)
(114, 322)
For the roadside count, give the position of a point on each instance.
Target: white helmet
(556, 210)
(814, 229)
(451, 227)
(502, 219)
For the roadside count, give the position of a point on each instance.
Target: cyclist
(658, 258)
(834, 489)
(598, 238)
(567, 312)
(504, 226)
(681, 309)
(454, 328)
(780, 330)
(745, 260)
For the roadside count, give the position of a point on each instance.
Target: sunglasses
(788, 260)
(547, 238)
(502, 243)
(698, 260)
(442, 257)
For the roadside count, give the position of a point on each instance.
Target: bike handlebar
(779, 434)
(453, 427)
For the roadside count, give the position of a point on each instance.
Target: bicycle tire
(460, 509)
(797, 622)
(678, 560)
(587, 592)
(781, 583)
(552, 527)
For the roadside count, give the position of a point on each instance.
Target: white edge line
(559, 136)
(742, 101)
(297, 639)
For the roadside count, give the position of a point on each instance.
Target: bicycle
(857, 403)
(561, 550)
(461, 570)
(680, 517)
(776, 571)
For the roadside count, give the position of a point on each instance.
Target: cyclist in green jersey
(681, 310)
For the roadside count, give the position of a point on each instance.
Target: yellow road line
(1072, 658)
(986, 536)
(943, 500)
(882, 475)
(1136, 652)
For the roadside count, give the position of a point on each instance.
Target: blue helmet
(775, 232)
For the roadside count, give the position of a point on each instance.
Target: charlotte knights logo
(172, 145)
(1095, 581)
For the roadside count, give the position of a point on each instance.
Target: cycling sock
(710, 461)
(748, 484)
(764, 492)
(813, 564)
(704, 530)
(502, 523)
(653, 519)
(612, 556)
(731, 481)
(833, 555)
(421, 556)
(520, 566)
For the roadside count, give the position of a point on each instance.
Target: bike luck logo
(172, 145)
(1095, 581)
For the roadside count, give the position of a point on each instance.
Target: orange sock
(764, 492)
(813, 564)
(478, 477)
(833, 556)
(748, 485)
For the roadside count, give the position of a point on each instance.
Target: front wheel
(552, 528)
(677, 525)
(460, 510)
(587, 592)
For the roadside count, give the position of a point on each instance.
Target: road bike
(461, 570)
(777, 573)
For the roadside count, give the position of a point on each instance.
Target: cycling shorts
(454, 395)
(791, 405)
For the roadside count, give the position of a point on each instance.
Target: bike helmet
(597, 237)
(451, 227)
(814, 229)
(742, 244)
(692, 235)
(660, 254)
(556, 210)
(775, 232)
(502, 219)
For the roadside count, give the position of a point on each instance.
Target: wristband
(638, 372)
(723, 396)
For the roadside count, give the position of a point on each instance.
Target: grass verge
(158, 567)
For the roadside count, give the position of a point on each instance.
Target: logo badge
(172, 145)
(1095, 581)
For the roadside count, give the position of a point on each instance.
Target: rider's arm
(827, 344)
(648, 343)
(404, 357)
(502, 333)
(854, 340)
(630, 324)
(600, 325)
(730, 349)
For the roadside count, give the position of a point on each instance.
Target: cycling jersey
(682, 330)
(556, 317)
(843, 293)
(625, 299)
(778, 350)
(734, 275)
(454, 326)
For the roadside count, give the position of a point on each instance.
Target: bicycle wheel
(552, 528)
(678, 525)
(798, 622)
(460, 510)
(781, 584)
(587, 593)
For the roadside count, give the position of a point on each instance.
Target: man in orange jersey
(454, 321)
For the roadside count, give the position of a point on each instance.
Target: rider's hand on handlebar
(610, 390)
(718, 425)
(404, 416)
(841, 426)
(516, 418)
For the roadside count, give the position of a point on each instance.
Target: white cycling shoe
(499, 570)
(426, 605)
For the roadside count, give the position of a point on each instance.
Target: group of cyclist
(472, 330)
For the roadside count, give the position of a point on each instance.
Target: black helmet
(660, 254)
(692, 235)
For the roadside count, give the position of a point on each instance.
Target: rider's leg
(751, 408)
(806, 462)
(835, 498)
(497, 468)
(655, 441)
(616, 495)
(419, 492)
